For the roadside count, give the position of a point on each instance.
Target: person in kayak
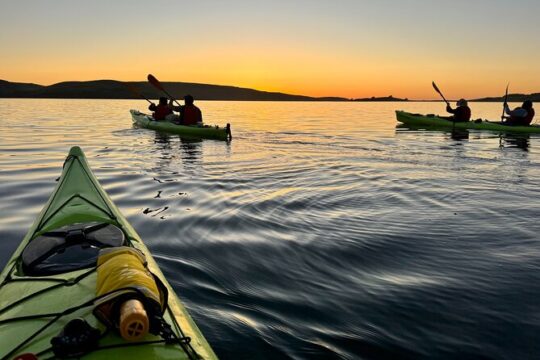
(520, 116)
(462, 113)
(189, 113)
(161, 110)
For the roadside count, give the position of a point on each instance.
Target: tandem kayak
(206, 131)
(434, 121)
(48, 297)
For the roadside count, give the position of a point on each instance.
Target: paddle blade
(152, 79)
(435, 87)
(505, 100)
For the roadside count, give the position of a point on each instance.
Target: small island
(384, 98)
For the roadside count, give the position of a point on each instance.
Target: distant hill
(512, 98)
(112, 89)
(7, 87)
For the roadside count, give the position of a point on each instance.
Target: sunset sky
(350, 48)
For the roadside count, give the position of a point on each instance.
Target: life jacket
(161, 112)
(462, 114)
(522, 121)
(529, 118)
(191, 115)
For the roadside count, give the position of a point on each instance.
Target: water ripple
(319, 232)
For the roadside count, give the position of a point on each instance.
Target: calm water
(320, 232)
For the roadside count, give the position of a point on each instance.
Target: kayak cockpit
(69, 248)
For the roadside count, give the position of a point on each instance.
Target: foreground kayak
(43, 288)
(434, 121)
(205, 132)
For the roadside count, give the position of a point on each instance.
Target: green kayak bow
(48, 287)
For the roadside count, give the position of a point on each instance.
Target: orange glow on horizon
(310, 47)
(304, 71)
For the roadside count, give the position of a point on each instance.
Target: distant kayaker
(160, 110)
(521, 115)
(462, 113)
(189, 113)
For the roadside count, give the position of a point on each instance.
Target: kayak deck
(206, 132)
(36, 308)
(434, 121)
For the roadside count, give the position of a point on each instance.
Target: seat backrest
(69, 248)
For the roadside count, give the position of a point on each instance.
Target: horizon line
(338, 98)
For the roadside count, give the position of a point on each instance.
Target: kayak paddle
(136, 92)
(505, 99)
(152, 79)
(440, 93)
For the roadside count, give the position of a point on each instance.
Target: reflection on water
(451, 134)
(185, 152)
(191, 150)
(459, 134)
(521, 141)
(319, 232)
(163, 141)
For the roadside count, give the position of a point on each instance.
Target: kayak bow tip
(76, 151)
